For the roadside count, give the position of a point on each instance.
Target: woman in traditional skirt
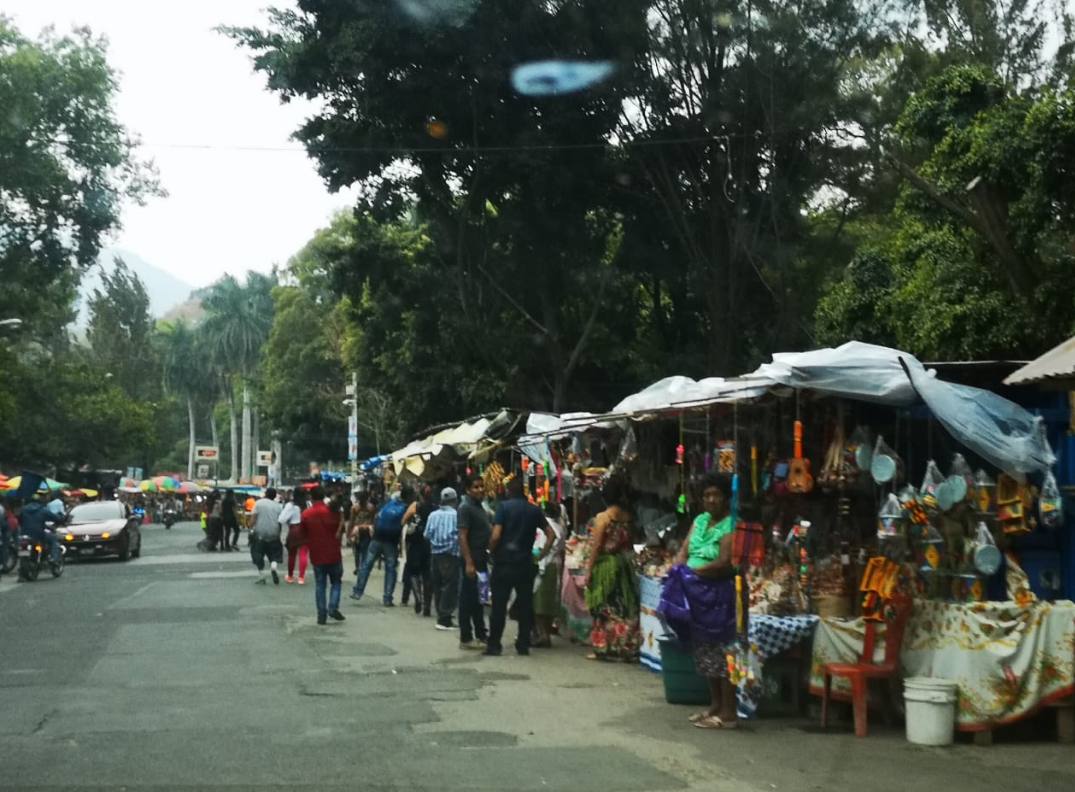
(699, 601)
(611, 595)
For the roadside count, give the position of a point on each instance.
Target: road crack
(44, 720)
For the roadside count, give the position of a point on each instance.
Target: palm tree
(238, 319)
(182, 374)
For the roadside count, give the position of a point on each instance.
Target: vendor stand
(857, 412)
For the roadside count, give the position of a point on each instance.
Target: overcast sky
(183, 84)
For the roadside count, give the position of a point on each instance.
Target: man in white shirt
(265, 538)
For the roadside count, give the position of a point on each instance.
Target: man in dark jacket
(34, 521)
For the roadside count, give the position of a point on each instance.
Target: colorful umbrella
(148, 486)
(166, 483)
(188, 488)
(15, 482)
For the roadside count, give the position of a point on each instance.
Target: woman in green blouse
(708, 554)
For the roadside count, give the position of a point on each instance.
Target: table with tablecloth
(768, 636)
(1008, 660)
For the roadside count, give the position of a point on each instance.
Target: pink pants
(303, 554)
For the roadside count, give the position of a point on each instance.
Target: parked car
(102, 528)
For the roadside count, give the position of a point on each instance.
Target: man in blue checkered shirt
(442, 531)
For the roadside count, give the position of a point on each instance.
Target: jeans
(445, 585)
(53, 541)
(389, 551)
(505, 579)
(324, 573)
(361, 549)
(471, 613)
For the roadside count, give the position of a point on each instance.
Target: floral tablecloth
(1009, 660)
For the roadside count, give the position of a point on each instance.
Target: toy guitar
(800, 479)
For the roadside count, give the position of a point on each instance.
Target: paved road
(174, 670)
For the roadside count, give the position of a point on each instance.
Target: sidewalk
(557, 699)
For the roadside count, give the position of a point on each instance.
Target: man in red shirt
(323, 531)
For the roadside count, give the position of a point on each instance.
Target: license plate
(24, 553)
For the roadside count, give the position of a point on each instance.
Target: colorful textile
(704, 545)
(613, 603)
(1008, 660)
(769, 636)
(698, 609)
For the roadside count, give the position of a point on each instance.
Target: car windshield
(94, 512)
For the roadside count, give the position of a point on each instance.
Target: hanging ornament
(680, 453)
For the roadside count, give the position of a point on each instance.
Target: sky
(182, 84)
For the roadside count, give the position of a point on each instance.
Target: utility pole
(352, 428)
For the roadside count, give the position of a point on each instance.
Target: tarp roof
(462, 438)
(1057, 366)
(998, 430)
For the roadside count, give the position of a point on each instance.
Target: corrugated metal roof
(1056, 364)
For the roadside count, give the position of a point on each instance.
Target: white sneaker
(445, 627)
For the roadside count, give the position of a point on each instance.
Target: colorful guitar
(800, 479)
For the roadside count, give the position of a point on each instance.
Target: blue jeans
(389, 551)
(324, 573)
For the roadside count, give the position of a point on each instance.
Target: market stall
(839, 456)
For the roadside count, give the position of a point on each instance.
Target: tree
(976, 261)
(120, 331)
(66, 166)
(183, 374)
(238, 319)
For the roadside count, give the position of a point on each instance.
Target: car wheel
(125, 552)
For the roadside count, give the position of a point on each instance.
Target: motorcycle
(11, 558)
(170, 519)
(33, 556)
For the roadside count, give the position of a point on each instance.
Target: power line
(433, 149)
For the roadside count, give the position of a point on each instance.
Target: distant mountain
(166, 292)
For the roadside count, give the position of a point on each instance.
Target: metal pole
(354, 422)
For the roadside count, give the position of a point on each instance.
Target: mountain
(166, 292)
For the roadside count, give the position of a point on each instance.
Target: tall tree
(238, 320)
(120, 331)
(66, 166)
(183, 375)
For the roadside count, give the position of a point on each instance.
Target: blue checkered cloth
(769, 636)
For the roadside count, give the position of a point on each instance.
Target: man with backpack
(387, 532)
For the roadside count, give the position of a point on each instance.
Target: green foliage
(120, 332)
(66, 165)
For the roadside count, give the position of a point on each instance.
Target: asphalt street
(176, 671)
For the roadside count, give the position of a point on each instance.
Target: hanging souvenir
(930, 482)
(884, 464)
(1011, 506)
(888, 517)
(1050, 504)
(860, 447)
(726, 456)
(984, 488)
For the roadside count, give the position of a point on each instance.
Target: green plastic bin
(682, 683)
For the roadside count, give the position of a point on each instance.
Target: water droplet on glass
(436, 129)
(438, 12)
(557, 77)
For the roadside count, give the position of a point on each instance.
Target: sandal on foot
(709, 722)
(698, 716)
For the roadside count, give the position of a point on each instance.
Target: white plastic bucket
(931, 710)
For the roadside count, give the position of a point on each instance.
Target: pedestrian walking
(297, 549)
(417, 567)
(442, 531)
(387, 532)
(214, 509)
(230, 521)
(265, 536)
(515, 526)
(474, 533)
(323, 532)
(361, 531)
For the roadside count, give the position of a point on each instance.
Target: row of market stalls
(857, 470)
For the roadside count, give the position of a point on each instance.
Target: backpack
(389, 524)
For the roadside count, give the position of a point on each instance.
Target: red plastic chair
(862, 672)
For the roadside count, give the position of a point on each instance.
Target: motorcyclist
(34, 521)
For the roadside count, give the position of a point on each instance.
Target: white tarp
(999, 430)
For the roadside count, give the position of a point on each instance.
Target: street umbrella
(166, 483)
(188, 488)
(149, 485)
(15, 482)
